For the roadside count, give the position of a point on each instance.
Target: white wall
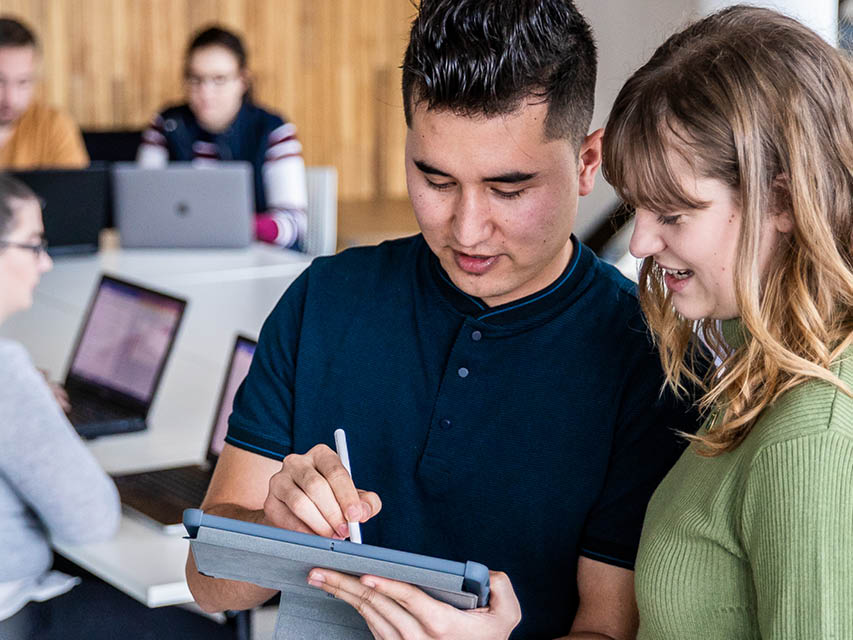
(820, 15)
(628, 32)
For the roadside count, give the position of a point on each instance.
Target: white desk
(228, 292)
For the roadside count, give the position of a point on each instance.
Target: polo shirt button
(476, 335)
(445, 423)
(463, 372)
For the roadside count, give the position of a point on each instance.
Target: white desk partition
(73, 277)
(143, 563)
(228, 292)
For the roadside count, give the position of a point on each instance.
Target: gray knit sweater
(50, 485)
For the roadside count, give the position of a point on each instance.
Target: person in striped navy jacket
(220, 122)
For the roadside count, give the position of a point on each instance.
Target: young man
(32, 135)
(495, 379)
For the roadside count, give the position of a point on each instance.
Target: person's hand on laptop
(58, 391)
(314, 493)
(61, 396)
(395, 610)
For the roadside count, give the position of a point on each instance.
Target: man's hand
(314, 493)
(398, 611)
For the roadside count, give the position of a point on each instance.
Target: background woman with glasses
(219, 122)
(50, 485)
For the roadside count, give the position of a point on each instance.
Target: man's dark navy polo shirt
(518, 436)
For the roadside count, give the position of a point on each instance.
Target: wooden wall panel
(331, 66)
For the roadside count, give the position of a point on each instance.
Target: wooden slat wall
(331, 66)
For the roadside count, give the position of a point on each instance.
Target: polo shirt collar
(517, 310)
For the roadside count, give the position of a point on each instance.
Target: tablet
(281, 559)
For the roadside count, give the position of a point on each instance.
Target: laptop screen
(127, 338)
(241, 358)
(76, 205)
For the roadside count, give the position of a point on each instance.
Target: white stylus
(343, 453)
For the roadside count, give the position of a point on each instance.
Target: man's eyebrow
(511, 177)
(428, 168)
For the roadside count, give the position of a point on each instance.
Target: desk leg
(241, 623)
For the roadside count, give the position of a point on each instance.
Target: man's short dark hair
(483, 57)
(14, 33)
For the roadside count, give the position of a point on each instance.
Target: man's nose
(472, 220)
(206, 90)
(646, 239)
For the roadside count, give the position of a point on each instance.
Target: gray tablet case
(281, 559)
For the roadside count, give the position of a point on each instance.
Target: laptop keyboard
(85, 409)
(188, 484)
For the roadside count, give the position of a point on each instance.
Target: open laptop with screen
(120, 355)
(162, 495)
(76, 206)
(183, 205)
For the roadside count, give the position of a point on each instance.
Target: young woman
(219, 122)
(734, 144)
(50, 485)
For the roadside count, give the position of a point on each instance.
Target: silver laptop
(121, 351)
(161, 496)
(183, 205)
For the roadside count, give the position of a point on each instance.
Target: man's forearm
(215, 594)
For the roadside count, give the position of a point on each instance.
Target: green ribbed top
(757, 542)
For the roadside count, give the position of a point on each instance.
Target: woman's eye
(668, 219)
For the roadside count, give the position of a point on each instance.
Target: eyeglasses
(38, 249)
(219, 81)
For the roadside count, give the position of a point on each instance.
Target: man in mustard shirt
(32, 134)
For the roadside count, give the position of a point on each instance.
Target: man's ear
(246, 80)
(589, 159)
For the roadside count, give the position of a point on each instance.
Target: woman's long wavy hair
(758, 101)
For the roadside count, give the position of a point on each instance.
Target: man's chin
(483, 287)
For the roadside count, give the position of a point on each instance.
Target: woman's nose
(646, 239)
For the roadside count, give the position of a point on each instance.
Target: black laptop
(162, 495)
(76, 206)
(120, 355)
